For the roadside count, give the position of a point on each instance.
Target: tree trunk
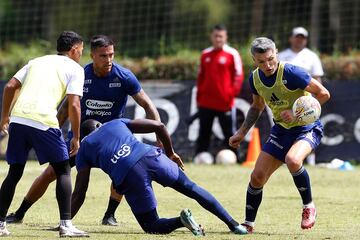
(315, 24)
(257, 17)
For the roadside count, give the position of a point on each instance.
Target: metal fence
(156, 27)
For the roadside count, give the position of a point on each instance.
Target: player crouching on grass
(133, 165)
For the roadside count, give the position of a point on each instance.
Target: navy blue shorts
(280, 141)
(49, 145)
(137, 188)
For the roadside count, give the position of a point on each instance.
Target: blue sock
(151, 223)
(185, 186)
(302, 182)
(253, 200)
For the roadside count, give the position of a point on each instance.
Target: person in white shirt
(32, 123)
(298, 54)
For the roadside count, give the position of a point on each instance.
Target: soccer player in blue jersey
(106, 89)
(278, 85)
(43, 83)
(133, 165)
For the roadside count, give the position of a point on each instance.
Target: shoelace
(202, 231)
(306, 213)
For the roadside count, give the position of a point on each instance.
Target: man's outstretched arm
(149, 126)
(81, 186)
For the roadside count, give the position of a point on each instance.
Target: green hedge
(339, 67)
(180, 66)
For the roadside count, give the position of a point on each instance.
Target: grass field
(336, 194)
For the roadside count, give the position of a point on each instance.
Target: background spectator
(219, 80)
(299, 55)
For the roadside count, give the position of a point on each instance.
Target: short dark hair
(67, 40)
(98, 41)
(219, 27)
(262, 45)
(88, 126)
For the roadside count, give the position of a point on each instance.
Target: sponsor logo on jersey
(88, 81)
(98, 104)
(85, 90)
(208, 59)
(114, 84)
(97, 113)
(274, 100)
(222, 60)
(123, 152)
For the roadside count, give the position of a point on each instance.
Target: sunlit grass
(336, 195)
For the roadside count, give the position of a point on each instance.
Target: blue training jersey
(113, 148)
(294, 77)
(104, 98)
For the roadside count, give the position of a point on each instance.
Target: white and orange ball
(306, 109)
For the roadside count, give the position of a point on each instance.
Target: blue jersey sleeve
(127, 121)
(296, 77)
(252, 86)
(81, 159)
(132, 84)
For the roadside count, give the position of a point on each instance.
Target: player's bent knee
(293, 163)
(258, 179)
(48, 175)
(147, 228)
(61, 168)
(148, 221)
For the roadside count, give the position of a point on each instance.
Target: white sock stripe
(254, 191)
(309, 205)
(252, 224)
(300, 171)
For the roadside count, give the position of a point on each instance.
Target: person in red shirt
(219, 81)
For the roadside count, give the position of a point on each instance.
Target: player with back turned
(43, 84)
(278, 85)
(106, 89)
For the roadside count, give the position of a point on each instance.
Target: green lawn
(336, 194)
